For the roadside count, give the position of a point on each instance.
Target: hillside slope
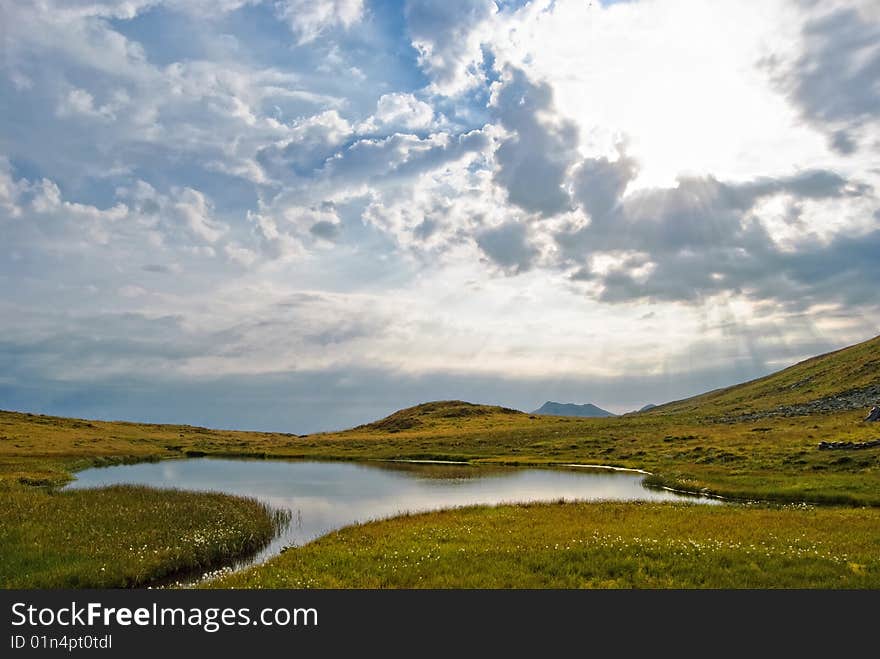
(843, 380)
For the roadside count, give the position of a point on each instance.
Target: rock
(832, 446)
(874, 414)
(853, 399)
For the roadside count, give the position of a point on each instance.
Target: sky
(302, 215)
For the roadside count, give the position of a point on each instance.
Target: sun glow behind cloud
(682, 84)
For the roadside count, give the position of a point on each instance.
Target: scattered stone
(853, 446)
(843, 402)
(874, 414)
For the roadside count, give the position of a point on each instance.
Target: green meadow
(757, 441)
(583, 545)
(123, 536)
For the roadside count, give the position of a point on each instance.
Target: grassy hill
(435, 414)
(846, 379)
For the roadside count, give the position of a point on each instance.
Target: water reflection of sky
(324, 496)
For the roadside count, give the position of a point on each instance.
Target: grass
(122, 536)
(608, 545)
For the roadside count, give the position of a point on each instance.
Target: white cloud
(436, 215)
(448, 37)
(183, 218)
(10, 191)
(274, 241)
(241, 255)
(79, 102)
(309, 19)
(308, 144)
(194, 212)
(372, 159)
(399, 112)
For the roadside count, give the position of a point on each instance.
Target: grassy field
(758, 440)
(609, 545)
(122, 536)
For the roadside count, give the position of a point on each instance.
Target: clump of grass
(589, 545)
(123, 536)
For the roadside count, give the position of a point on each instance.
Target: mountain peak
(552, 408)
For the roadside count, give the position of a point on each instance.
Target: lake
(324, 496)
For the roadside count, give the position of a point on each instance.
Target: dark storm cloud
(533, 162)
(702, 237)
(600, 183)
(508, 246)
(837, 78)
(847, 268)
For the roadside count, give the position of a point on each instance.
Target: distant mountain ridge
(572, 409)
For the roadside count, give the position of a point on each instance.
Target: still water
(324, 496)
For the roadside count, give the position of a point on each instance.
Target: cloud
(311, 142)
(128, 9)
(599, 184)
(701, 238)
(161, 268)
(401, 156)
(309, 19)
(80, 102)
(448, 38)
(698, 212)
(399, 112)
(141, 226)
(834, 81)
(37, 214)
(325, 230)
(274, 241)
(436, 214)
(509, 247)
(533, 162)
(184, 216)
(193, 210)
